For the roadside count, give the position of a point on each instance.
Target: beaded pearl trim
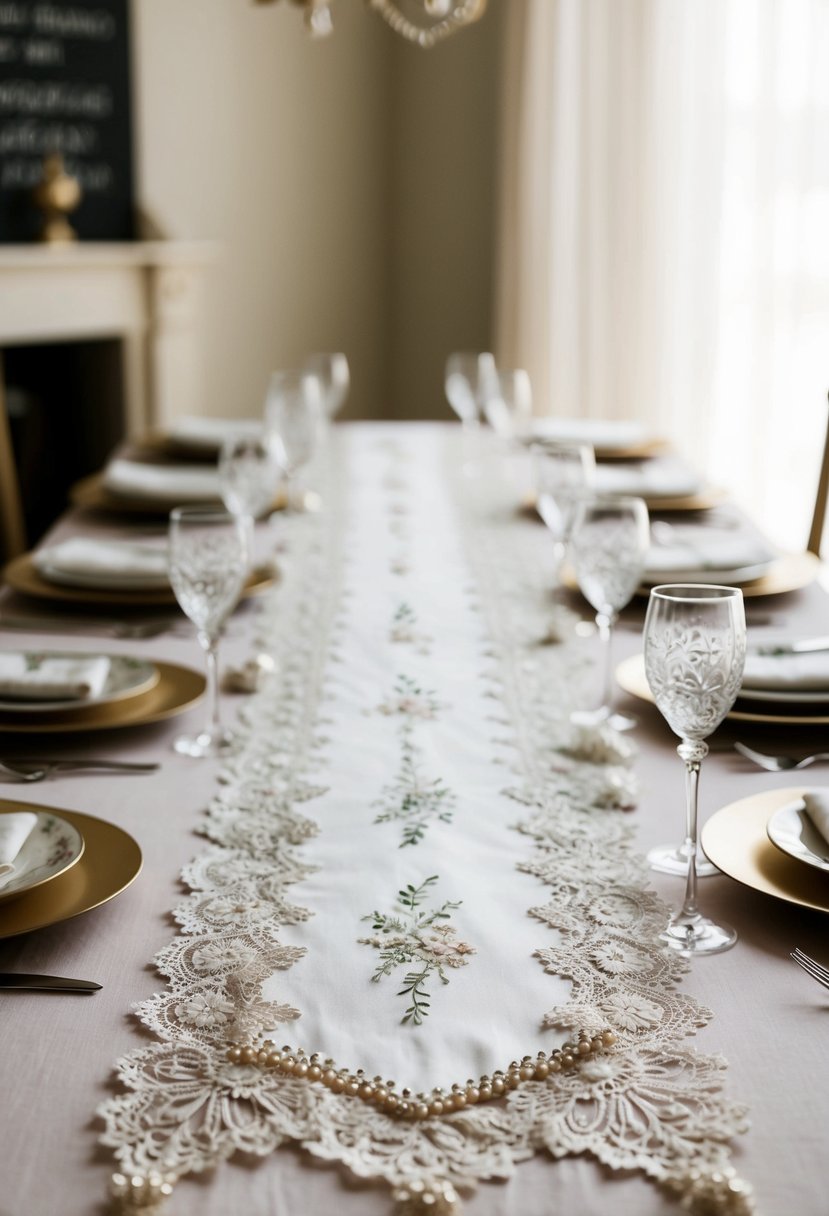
(405, 1104)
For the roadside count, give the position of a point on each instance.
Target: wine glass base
(204, 744)
(700, 937)
(604, 716)
(667, 859)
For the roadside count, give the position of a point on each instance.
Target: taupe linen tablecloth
(770, 1021)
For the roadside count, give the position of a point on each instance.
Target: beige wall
(349, 182)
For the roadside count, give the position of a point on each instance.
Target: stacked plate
(56, 864)
(771, 843)
(59, 691)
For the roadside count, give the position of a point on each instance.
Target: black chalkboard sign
(65, 87)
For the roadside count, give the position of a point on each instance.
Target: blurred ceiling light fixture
(424, 22)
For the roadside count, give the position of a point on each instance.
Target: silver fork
(778, 764)
(816, 970)
(36, 770)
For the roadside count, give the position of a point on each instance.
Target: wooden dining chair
(12, 528)
(819, 515)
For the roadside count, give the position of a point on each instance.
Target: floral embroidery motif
(415, 936)
(404, 630)
(412, 798)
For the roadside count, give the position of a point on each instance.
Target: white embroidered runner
(366, 872)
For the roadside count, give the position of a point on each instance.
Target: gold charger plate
(630, 676)
(92, 493)
(789, 572)
(705, 500)
(177, 690)
(111, 860)
(22, 575)
(735, 840)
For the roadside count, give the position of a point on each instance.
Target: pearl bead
(247, 1055)
(583, 1047)
(485, 1093)
(329, 1077)
(421, 1111)
(273, 1059)
(472, 1094)
(301, 1069)
(436, 1107)
(459, 1101)
(314, 1072)
(234, 1055)
(542, 1070)
(597, 1043)
(391, 1102)
(498, 1086)
(526, 1072)
(567, 1061)
(513, 1078)
(337, 1085)
(352, 1088)
(366, 1091)
(608, 1038)
(380, 1094)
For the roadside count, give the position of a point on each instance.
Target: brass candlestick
(56, 195)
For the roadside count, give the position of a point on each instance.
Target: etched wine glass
(293, 412)
(609, 544)
(469, 379)
(249, 477)
(208, 562)
(508, 405)
(564, 475)
(695, 647)
(332, 372)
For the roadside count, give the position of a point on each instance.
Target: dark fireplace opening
(65, 403)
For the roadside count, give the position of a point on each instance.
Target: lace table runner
(418, 942)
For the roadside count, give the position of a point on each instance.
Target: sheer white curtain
(664, 228)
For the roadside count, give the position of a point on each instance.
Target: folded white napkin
(179, 483)
(662, 477)
(705, 550)
(787, 672)
(610, 434)
(27, 676)
(14, 832)
(84, 562)
(209, 434)
(817, 808)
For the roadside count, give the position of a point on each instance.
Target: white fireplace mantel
(145, 293)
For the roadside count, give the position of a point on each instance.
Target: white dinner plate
(793, 832)
(128, 677)
(734, 577)
(52, 846)
(102, 581)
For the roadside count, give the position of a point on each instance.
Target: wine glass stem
(213, 725)
(605, 621)
(693, 753)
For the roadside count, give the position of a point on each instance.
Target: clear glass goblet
(208, 564)
(333, 374)
(249, 477)
(609, 544)
(695, 648)
(469, 379)
(293, 414)
(509, 405)
(564, 475)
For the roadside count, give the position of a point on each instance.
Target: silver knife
(806, 646)
(45, 983)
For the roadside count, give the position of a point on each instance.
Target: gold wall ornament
(56, 194)
(424, 22)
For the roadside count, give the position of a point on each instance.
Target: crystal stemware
(208, 562)
(564, 475)
(470, 378)
(695, 646)
(609, 544)
(293, 412)
(509, 405)
(334, 378)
